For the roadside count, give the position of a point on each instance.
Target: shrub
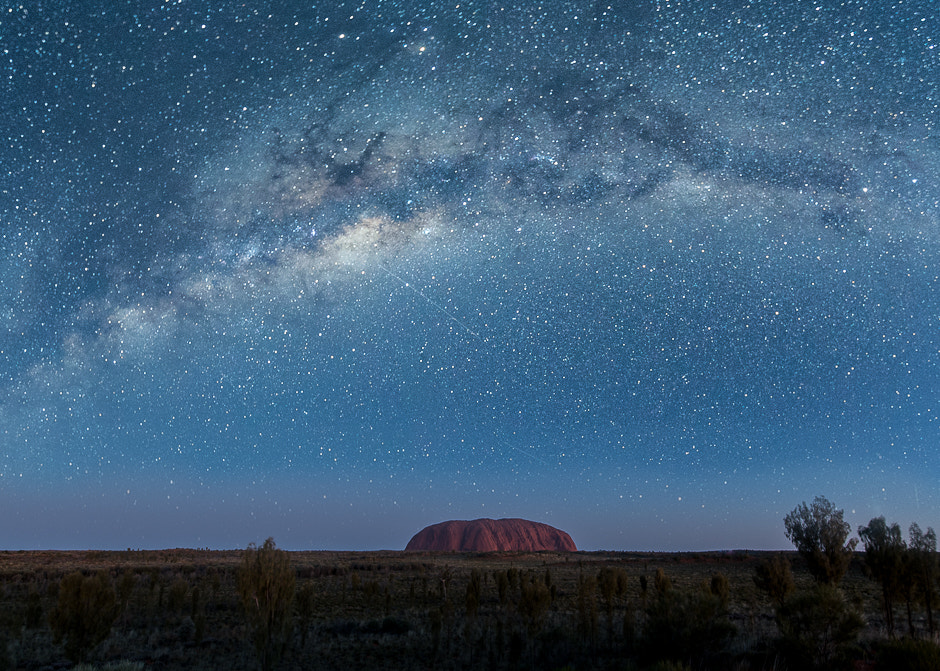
(266, 587)
(502, 587)
(612, 582)
(33, 619)
(534, 600)
(587, 608)
(774, 577)
(177, 596)
(662, 583)
(305, 603)
(126, 588)
(682, 626)
(84, 613)
(719, 587)
(474, 592)
(818, 627)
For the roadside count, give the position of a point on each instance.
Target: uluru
(486, 535)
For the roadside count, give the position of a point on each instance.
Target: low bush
(818, 628)
(682, 626)
(84, 613)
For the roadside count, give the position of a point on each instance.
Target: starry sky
(651, 272)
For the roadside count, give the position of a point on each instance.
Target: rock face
(488, 535)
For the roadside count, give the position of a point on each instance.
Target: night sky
(652, 273)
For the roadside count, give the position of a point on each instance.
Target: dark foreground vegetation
(825, 606)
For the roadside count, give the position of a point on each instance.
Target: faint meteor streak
(433, 303)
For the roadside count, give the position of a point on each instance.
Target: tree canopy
(884, 559)
(820, 535)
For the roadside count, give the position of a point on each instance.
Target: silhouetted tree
(819, 534)
(266, 587)
(884, 561)
(923, 552)
(83, 615)
(908, 588)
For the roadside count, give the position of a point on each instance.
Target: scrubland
(181, 609)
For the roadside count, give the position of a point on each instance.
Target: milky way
(652, 274)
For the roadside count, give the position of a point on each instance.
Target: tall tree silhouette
(923, 554)
(884, 561)
(820, 536)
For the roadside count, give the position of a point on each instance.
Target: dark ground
(396, 610)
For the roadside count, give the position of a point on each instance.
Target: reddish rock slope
(488, 535)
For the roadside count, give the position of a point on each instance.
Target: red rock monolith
(486, 535)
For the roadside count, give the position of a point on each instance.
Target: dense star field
(652, 273)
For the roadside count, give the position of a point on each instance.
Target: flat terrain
(179, 609)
